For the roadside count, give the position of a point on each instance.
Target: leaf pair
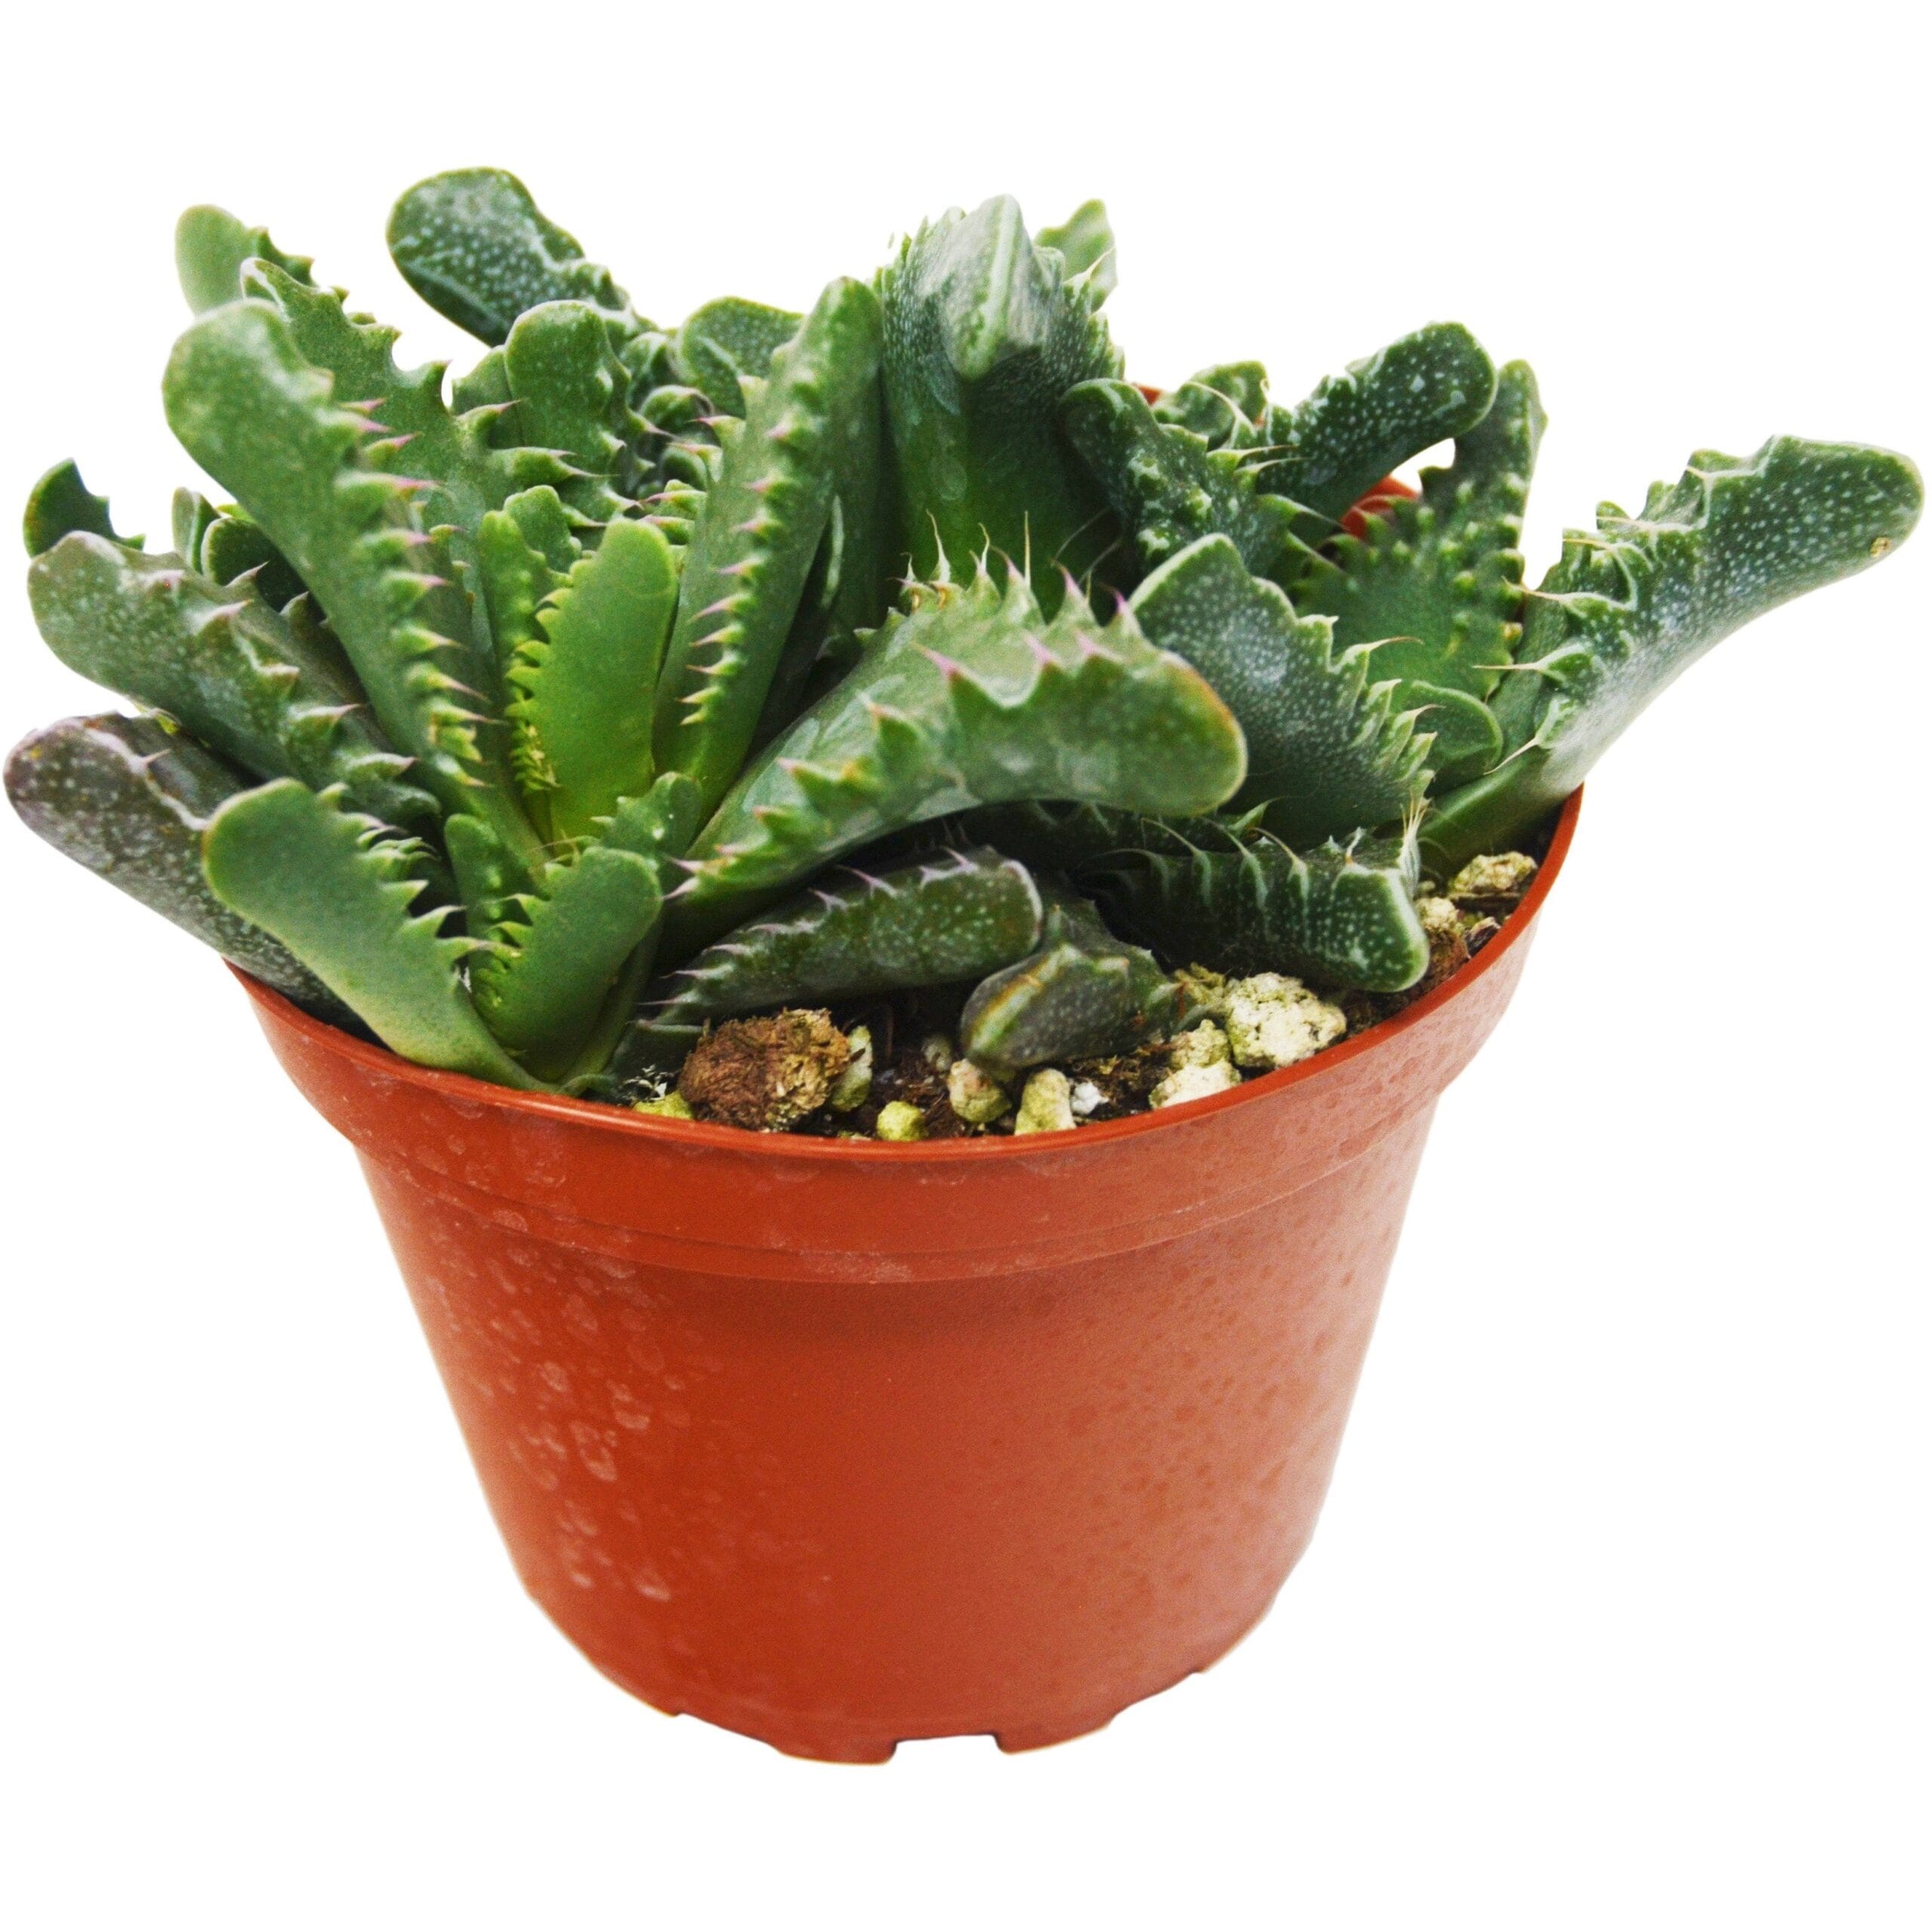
(950, 916)
(971, 698)
(584, 635)
(1632, 604)
(258, 416)
(223, 664)
(130, 800)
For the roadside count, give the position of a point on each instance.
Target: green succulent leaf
(222, 662)
(1169, 488)
(210, 248)
(1327, 751)
(232, 545)
(751, 552)
(190, 517)
(130, 799)
(257, 417)
(60, 503)
(984, 333)
(417, 436)
(1085, 241)
(1435, 584)
(1083, 993)
(727, 341)
(585, 687)
(1634, 604)
(543, 983)
(1328, 451)
(1226, 405)
(484, 385)
(569, 389)
(848, 591)
(949, 917)
(488, 876)
(1049, 836)
(1342, 915)
(477, 248)
(548, 526)
(524, 553)
(324, 881)
(973, 697)
(660, 825)
(1463, 736)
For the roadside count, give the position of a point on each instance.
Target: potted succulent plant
(1084, 827)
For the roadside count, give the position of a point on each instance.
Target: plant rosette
(1083, 826)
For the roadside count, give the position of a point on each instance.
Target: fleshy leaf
(129, 799)
(682, 452)
(223, 663)
(60, 503)
(583, 710)
(523, 551)
(848, 591)
(730, 339)
(659, 826)
(232, 545)
(1634, 604)
(191, 516)
(1435, 582)
(569, 389)
(1084, 992)
(746, 565)
(1234, 897)
(951, 916)
(324, 881)
(1047, 834)
(984, 333)
(971, 698)
(1225, 405)
(542, 984)
(488, 877)
(212, 245)
(1328, 450)
(1170, 489)
(475, 246)
(418, 435)
(1327, 749)
(1085, 243)
(256, 416)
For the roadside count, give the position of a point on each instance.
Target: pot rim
(813, 1148)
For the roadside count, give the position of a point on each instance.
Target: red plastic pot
(838, 1444)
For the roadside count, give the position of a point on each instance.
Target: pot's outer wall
(839, 1444)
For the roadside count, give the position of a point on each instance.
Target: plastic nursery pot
(838, 1444)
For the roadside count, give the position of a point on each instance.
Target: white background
(1618, 1612)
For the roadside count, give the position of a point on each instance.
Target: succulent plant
(641, 677)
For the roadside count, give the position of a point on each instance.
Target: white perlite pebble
(1045, 1105)
(1195, 1083)
(1275, 1021)
(1085, 1099)
(1494, 875)
(1199, 1046)
(977, 1097)
(1199, 1066)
